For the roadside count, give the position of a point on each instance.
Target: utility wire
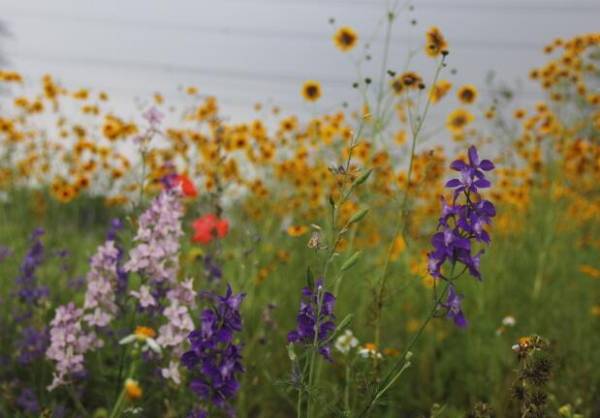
(517, 6)
(222, 73)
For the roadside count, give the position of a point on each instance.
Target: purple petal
(453, 183)
(458, 165)
(486, 165)
(483, 183)
(473, 157)
(460, 320)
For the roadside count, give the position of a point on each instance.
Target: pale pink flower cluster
(157, 239)
(174, 333)
(68, 344)
(144, 296)
(99, 302)
(156, 257)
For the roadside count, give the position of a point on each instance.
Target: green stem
(313, 357)
(402, 217)
(403, 363)
(347, 411)
(76, 401)
(391, 16)
(142, 180)
(119, 404)
(299, 404)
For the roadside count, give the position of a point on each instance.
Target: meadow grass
(452, 367)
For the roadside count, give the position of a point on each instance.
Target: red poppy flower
(209, 227)
(188, 188)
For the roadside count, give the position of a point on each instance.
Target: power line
(215, 72)
(181, 96)
(267, 33)
(518, 6)
(223, 73)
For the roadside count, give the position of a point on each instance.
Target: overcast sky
(245, 51)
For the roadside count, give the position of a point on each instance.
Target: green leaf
(310, 279)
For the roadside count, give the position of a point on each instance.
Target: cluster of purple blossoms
(29, 291)
(32, 344)
(460, 226)
(156, 255)
(214, 358)
(68, 344)
(315, 320)
(28, 402)
(34, 340)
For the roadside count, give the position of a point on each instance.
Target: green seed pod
(349, 263)
(357, 217)
(362, 178)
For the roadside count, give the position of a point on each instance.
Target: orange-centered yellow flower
(297, 230)
(143, 333)
(467, 94)
(458, 120)
(345, 38)
(133, 389)
(311, 90)
(435, 43)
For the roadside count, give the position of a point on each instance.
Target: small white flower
(345, 342)
(143, 335)
(509, 321)
(369, 351)
(172, 372)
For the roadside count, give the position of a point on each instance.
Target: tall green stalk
(401, 222)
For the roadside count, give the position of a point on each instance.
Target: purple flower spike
(315, 316)
(461, 226)
(28, 402)
(214, 358)
(29, 292)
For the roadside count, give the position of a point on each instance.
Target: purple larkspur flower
(472, 175)
(214, 358)
(462, 224)
(28, 402)
(454, 307)
(211, 268)
(32, 344)
(315, 320)
(28, 290)
(461, 227)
